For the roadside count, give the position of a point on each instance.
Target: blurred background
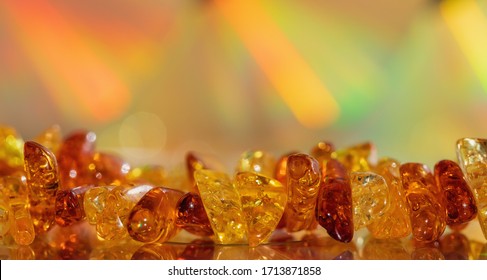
(155, 79)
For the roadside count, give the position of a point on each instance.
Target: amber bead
(223, 206)
(427, 214)
(472, 156)
(69, 205)
(457, 197)
(395, 223)
(5, 216)
(322, 152)
(94, 202)
(357, 158)
(263, 201)
(257, 161)
(153, 218)
(192, 216)
(334, 204)
(149, 174)
(107, 169)
(50, 138)
(370, 198)
(303, 182)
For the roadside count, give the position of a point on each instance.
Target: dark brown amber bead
(69, 205)
(428, 215)
(334, 204)
(457, 197)
(74, 157)
(191, 215)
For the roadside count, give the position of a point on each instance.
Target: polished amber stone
(303, 181)
(334, 204)
(322, 152)
(359, 158)
(457, 197)
(427, 214)
(370, 198)
(191, 215)
(263, 200)
(472, 156)
(395, 223)
(257, 161)
(153, 218)
(69, 207)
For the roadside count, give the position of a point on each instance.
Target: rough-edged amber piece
(370, 198)
(50, 138)
(223, 206)
(257, 161)
(334, 204)
(11, 148)
(263, 201)
(74, 156)
(303, 181)
(472, 156)
(192, 215)
(94, 202)
(22, 228)
(112, 222)
(149, 174)
(69, 205)
(395, 223)
(427, 214)
(322, 152)
(359, 158)
(457, 197)
(153, 218)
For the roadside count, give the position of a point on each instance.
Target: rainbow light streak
(77, 80)
(303, 92)
(469, 27)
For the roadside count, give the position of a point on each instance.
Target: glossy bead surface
(334, 204)
(303, 181)
(69, 208)
(457, 197)
(192, 215)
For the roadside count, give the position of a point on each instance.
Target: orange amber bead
(303, 181)
(153, 218)
(192, 216)
(334, 204)
(457, 197)
(69, 205)
(428, 215)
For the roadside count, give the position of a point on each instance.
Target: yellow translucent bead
(263, 200)
(94, 202)
(5, 216)
(357, 158)
(258, 162)
(472, 156)
(370, 197)
(22, 228)
(395, 223)
(11, 147)
(223, 206)
(50, 138)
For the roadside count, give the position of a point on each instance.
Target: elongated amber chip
(303, 181)
(192, 215)
(334, 203)
(153, 218)
(428, 215)
(457, 197)
(263, 200)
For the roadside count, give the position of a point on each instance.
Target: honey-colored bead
(50, 138)
(22, 227)
(69, 208)
(11, 151)
(472, 156)
(457, 197)
(303, 181)
(427, 214)
(153, 218)
(94, 202)
(74, 156)
(263, 200)
(5, 216)
(370, 198)
(149, 174)
(322, 152)
(334, 203)
(112, 222)
(359, 158)
(192, 215)
(223, 206)
(257, 161)
(395, 223)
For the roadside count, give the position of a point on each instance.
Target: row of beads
(50, 180)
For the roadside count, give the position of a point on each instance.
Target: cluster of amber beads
(63, 181)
